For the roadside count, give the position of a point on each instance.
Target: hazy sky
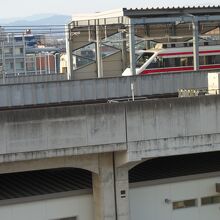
(22, 8)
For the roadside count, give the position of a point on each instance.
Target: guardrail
(14, 79)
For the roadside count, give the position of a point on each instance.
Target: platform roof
(123, 13)
(152, 22)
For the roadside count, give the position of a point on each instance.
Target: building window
(20, 65)
(11, 50)
(21, 50)
(11, 65)
(8, 52)
(210, 200)
(185, 204)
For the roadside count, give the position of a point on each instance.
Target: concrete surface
(58, 92)
(145, 129)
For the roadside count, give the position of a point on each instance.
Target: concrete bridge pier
(110, 190)
(103, 189)
(122, 193)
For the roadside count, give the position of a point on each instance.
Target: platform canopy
(150, 24)
(157, 22)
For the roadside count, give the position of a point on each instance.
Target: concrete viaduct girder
(144, 129)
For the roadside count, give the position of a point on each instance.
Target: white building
(16, 60)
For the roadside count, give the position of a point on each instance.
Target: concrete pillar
(111, 187)
(122, 185)
(132, 47)
(99, 51)
(195, 43)
(122, 193)
(104, 189)
(69, 52)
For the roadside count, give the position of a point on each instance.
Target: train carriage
(176, 57)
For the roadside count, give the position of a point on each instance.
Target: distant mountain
(41, 19)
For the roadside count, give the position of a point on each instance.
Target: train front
(143, 60)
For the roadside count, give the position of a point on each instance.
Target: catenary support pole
(69, 52)
(124, 50)
(132, 47)
(195, 43)
(98, 51)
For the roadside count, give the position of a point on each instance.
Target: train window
(186, 61)
(176, 62)
(183, 61)
(154, 64)
(190, 61)
(217, 59)
(162, 63)
(142, 59)
(165, 63)
(209, 60)
(170, 62)
(201, 60)
(206, 60)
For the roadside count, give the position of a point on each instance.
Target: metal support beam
(24, 54)
(195, 43)
(178, 19)
(40, 61)
(124, 50)
(98, 51)
(35, 64)
(132, 47)
(147, 34)
(69, 52)
(45, 64)
(173, 31)
(13, 54)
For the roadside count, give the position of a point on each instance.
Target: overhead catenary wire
(54, 31)
(62, 27)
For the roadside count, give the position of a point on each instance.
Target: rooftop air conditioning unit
(214, 83)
